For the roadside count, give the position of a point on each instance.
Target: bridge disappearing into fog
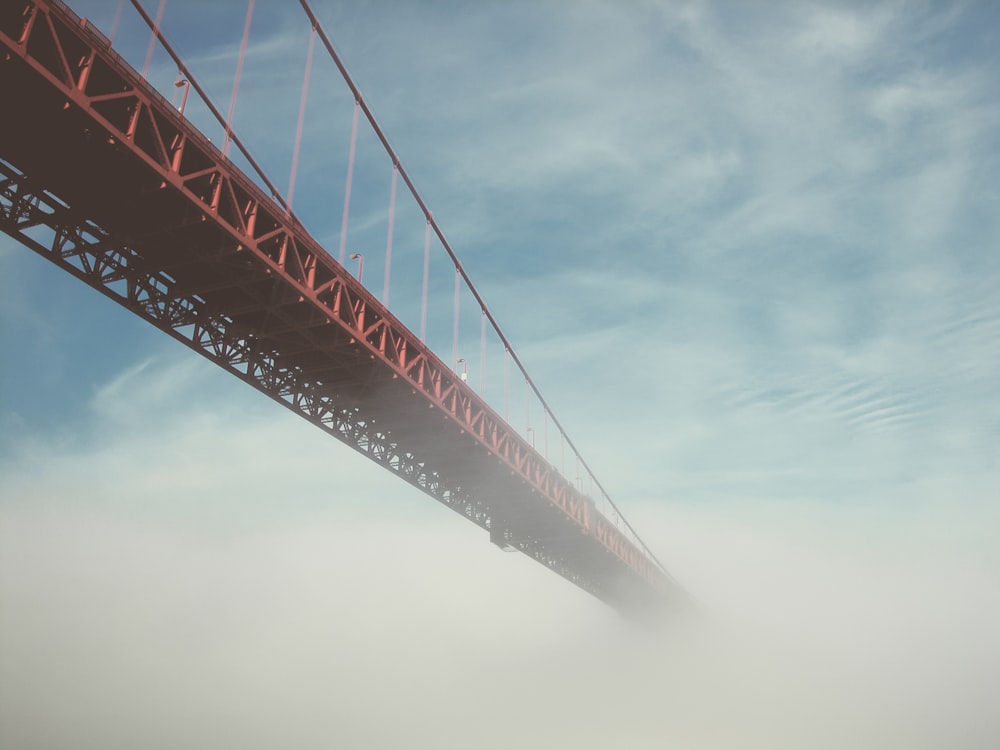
(110, 181)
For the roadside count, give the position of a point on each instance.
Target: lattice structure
(102, 176)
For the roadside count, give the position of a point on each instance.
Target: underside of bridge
(103, 177)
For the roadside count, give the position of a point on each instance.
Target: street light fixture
(361, 263)
(187, 87)
(465, 368)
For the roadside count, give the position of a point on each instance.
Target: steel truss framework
(102, 176)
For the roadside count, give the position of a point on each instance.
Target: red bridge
(104, 177)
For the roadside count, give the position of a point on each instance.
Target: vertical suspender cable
(388, 242)
(347, 187)
(482, 355)
(545, 417)
(152, 39)
(506, 384)
(193, 81)
(116, 21)
(454, 340)
(451, 253)
(527, 406)
(427, 269)
(302, 117)
(236, 81)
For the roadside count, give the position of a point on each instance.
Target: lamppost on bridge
(465, 368)
(184, 97)
(361, 264)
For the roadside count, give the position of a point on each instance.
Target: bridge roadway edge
(178, 236)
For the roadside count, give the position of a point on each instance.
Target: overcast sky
(749, 253)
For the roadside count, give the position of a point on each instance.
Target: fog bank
(818, 627)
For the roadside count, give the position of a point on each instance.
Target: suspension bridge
(111, 181)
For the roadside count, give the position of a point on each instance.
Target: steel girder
(182, 238)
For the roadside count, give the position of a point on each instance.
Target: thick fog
(237, 580)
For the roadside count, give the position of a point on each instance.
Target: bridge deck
(102, 176)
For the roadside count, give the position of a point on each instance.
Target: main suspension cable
(458, 265)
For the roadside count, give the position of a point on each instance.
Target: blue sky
(749, 253)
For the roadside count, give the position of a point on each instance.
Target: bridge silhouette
(109, 180)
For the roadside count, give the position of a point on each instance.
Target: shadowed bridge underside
(103, 177)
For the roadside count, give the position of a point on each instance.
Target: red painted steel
(458, 266)
(482, 353)
(117, 20)
(302, 119)
(388, 241)
(236, 79)
(347, 185)
(179, 236)
(152, 39)
(454, 332)
(427, 268)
